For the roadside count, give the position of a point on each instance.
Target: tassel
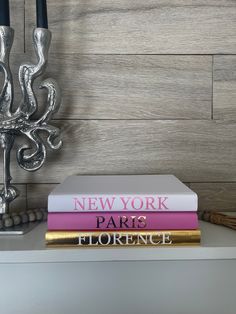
(218, 218)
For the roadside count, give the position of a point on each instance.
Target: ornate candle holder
(19, 122)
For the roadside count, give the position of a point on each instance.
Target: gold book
(123, 238)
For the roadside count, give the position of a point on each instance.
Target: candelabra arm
(31, 157)
(28, 72)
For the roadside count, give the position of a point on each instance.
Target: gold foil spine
(123, 239)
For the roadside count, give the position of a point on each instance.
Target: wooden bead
(39, 215)
(16, 220)
(32, 216)
(8, 222)
(24, 217)
(4, 216)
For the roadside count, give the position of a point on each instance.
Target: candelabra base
(19, 230)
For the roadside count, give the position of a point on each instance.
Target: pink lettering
(149, 202)
(92, 203)
(161, 202)
(140, 201)
(125, 202)
(78, 204)
(107, 203)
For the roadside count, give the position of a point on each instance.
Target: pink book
(122, 221)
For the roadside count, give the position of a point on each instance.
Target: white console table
(170, 280)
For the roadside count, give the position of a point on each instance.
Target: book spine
(122, 239)
(95, 203)
(122, 221)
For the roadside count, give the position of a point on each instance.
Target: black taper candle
(42, 17)
(4, 13)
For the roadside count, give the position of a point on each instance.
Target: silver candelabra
(19, 122)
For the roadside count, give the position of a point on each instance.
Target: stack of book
(130, 210)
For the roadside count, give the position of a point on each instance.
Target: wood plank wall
(149, 87)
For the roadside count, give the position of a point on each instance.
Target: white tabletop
(217, 243)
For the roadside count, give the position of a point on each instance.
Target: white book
(122, 193)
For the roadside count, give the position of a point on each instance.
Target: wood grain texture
(133, 87)
(17, 23)
(224, 104)
(38, 195)
(216, 196)
(195, 151)
(139, 110)
(138, 27)
(17, 53)
(20, 202)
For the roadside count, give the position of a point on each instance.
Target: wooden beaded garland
(17, 218)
